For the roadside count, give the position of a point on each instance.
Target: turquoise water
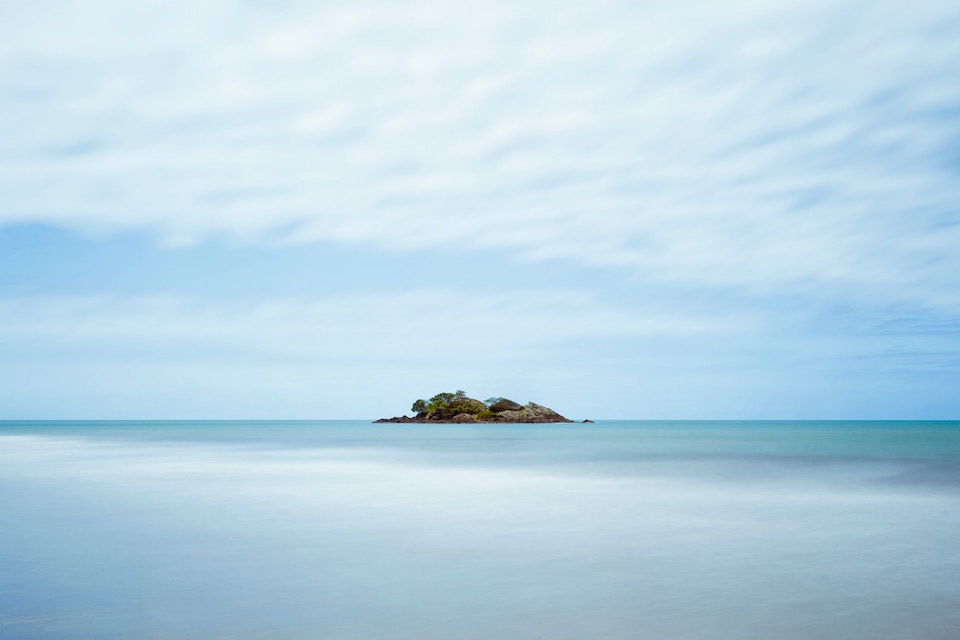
(655, 530)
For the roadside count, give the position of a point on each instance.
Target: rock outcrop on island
(457, 408)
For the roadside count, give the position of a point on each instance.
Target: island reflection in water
(350, 530)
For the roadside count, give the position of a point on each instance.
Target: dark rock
(588, 422)
(535, 413)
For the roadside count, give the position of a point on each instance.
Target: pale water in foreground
(346, 530)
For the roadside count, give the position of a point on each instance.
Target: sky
(657, 210)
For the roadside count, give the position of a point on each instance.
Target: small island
(459, 409)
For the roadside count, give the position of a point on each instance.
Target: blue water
(347, 530)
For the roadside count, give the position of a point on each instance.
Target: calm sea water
(347, 530)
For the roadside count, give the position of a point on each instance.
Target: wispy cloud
(379, 327)
(807, 144)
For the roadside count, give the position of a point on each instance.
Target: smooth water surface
(347, 530)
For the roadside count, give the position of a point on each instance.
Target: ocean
(350, 530)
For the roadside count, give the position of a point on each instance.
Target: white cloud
(806, 144)
(368, 327)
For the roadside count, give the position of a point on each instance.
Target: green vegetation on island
(458, 408)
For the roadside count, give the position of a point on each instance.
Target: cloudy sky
(677, 209)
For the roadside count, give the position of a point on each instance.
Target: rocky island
(460, 409)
